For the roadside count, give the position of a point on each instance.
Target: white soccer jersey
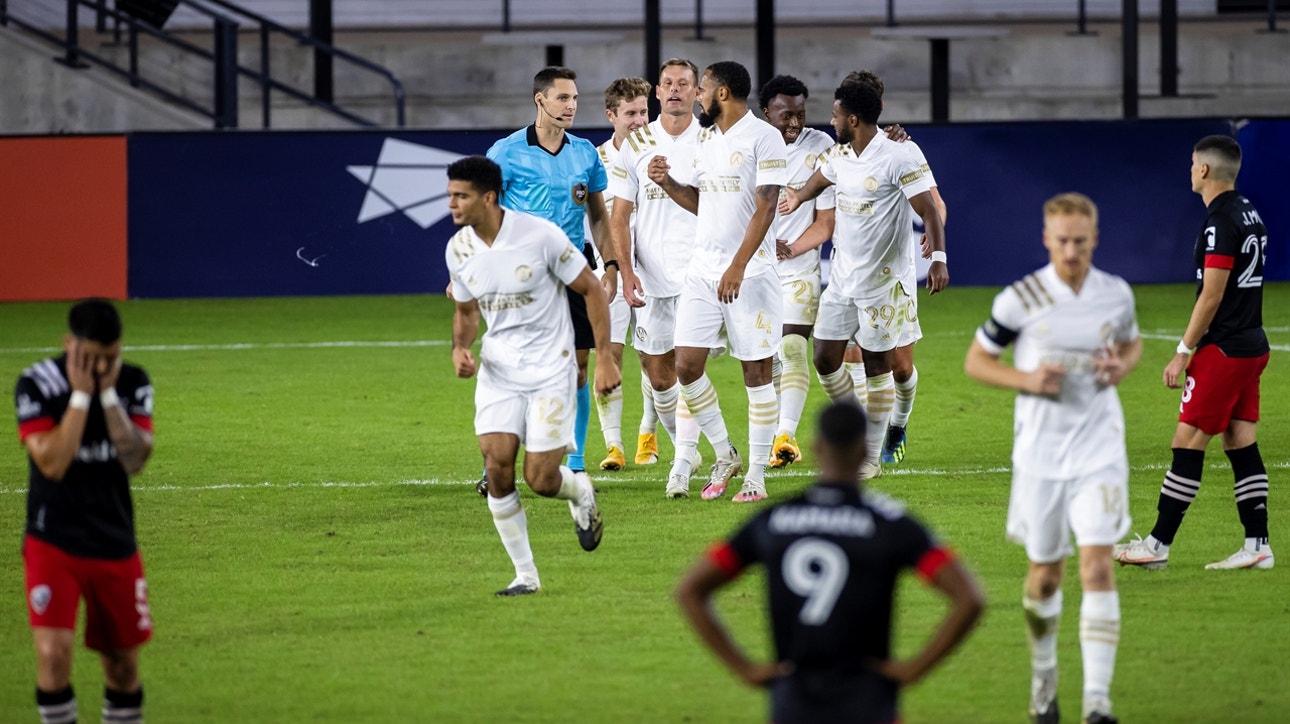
(804, 156)
(1083, 429)
(871, 239)
(664, 232)
(727, 170)
(520, 284)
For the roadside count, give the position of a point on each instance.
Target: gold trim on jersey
(462, 248)
(1040, 284)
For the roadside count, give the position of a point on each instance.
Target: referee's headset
(542, 105)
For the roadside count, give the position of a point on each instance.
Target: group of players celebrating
(713, 224)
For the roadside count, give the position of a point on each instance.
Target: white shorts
(620, 318)
(801, 297)
(877, 323)
(542, 418)
(656, 326)
(1044, 511)
(752, 323)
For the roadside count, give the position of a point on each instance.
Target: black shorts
(802, 699)
(583, 336)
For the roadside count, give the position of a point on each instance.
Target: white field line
(1280, 465)
(252, 346)
(1175, 336)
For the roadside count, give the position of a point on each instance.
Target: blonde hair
(1069, 204)
(625, 90)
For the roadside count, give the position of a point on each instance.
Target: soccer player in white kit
(1076, 337)
(655, 257)
(626, 109)
(783, 103)
(732, 285)
(512, 269)
(870, 297)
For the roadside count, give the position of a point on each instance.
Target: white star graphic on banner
(407, 177)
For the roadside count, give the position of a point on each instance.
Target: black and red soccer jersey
(1234, 238)
(832, 558)
(89, 512)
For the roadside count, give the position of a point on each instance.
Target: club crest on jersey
(737, 159)
(523, 273)
(39, 598)
(812, 160)
(870, 184)
(1210, 240)
(579, 193)
(641, 334)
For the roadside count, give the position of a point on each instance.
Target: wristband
(1183, 348)
(108, 398)
(939, 256)
(80, 401)
(612, 262)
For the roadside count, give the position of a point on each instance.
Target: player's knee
(121, 670)
(544, 480)
(688, 371)
(54, 662)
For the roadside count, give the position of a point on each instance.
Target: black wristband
(611, 262)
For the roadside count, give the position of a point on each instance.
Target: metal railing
(222, 107)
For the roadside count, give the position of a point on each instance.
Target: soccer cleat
(586, 517)
(785, 451)
(869, 471)
(893, 450)
(1043, 698)
(722, 471)
(752, 491)
(1243, 559)
(614, 459)
(521, 586)
(482, 486)
(1139, 553)
(1097, 717)
(646, 449)
(678, 486)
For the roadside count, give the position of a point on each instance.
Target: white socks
(763, 414)
(905, 392)
(1099, 635)
(882, 397)
(1042, 617)
(610, 409)
(513, 527)
(794, 383)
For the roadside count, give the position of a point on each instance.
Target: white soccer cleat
(521, 586)
(722, 471)
(752, 491)
(1043, 697)
(678, 486)
(1139, 552)
(1243, 559)
(869, 471)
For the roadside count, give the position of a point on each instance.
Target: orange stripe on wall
(62, 218)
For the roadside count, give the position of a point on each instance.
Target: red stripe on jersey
(33, 426)
(143, 422)
(1219, 261)
(725, 558)
(932, 562)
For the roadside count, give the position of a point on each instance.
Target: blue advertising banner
(326, 213)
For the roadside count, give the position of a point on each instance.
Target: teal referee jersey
(553, 186)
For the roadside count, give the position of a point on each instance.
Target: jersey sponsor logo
(28, 408)
(579, 192)
(499, 302)
(39, 598)
(523, 273)
(845, 521)
(849, 205)
(737, 159)
(97, 452)
(728, 184)
(772, 163)
(407, 178)
(911, 177)
(870, 184)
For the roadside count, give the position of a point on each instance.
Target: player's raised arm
(54, 449)
(133, 443)
(794, 198)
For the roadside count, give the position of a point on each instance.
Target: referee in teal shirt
(555, 175)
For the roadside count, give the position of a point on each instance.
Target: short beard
(708, 116)
(846, 135)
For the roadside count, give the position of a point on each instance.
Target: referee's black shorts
(583, 336)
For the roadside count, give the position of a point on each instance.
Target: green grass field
(316, 551)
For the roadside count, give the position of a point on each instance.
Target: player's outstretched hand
(80, 368)
(764, 674)
(608, 377)
(731, 281)
(1176, 371)
(1046, 381)
(633, 292)
(938, 277)
(788, 201)
(464, 360)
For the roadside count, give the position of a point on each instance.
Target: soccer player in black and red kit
(86, 420)
(832, 558)
(1220, 381)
